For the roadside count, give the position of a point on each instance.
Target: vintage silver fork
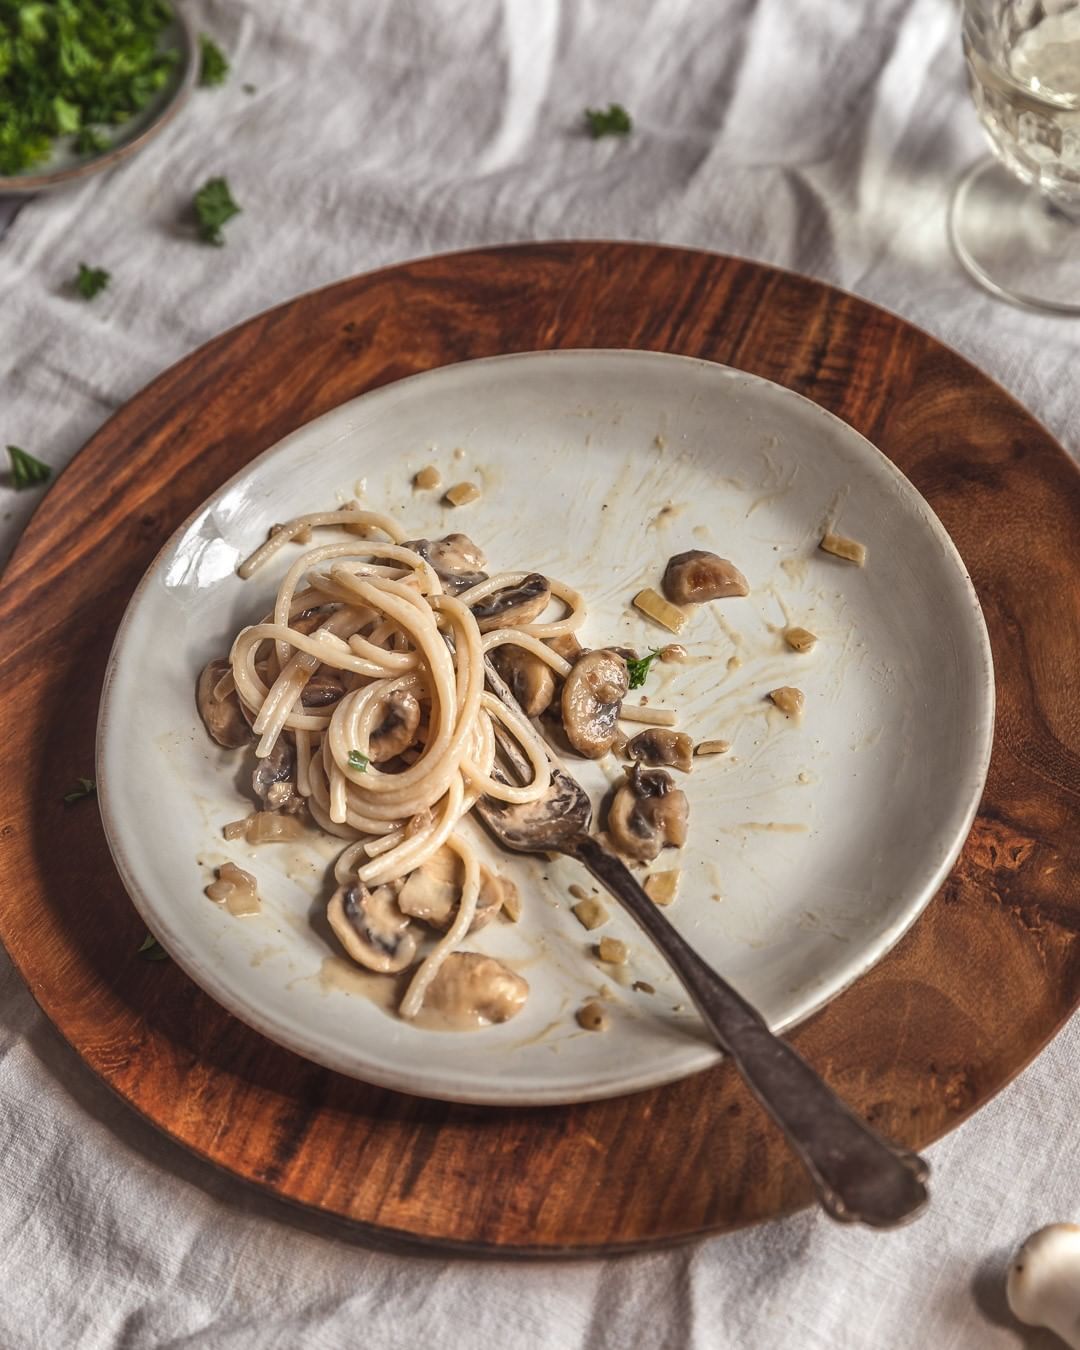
(859, 1177)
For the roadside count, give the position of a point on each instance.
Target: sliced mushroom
(457, 561)
(591, 698)
(223, 717)
(531, 680)
(659, 747)
(272, 779)
(649, 813)
(397, 728)
(513, 605)
(432, 892)
(309, 619)
(236, 889)
(265, 827)
(372, 928)
(471, 990)
(322, 689)
(567, 646)
(696, 575)
(592, 1016)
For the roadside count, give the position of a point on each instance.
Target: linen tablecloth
(819, 135)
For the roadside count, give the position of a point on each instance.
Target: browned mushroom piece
(397, 726)
(657, 746)
(323, 689)
(432, 891)
(697, 575)
(273, 778)
(789, 700)
(513, 605)
(309, 619)
(371, 927)
(591, 698)
(531, 680)
(567, 646)
(457, 561)
(222, 716)
(649, 813)
(471, 990)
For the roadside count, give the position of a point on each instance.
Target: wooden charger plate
(979, 985)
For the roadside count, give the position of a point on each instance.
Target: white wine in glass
(1015, 219)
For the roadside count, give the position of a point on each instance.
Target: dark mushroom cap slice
(695, 576)
(456, 560)
(513, 605)
(273, 776)
(567, 646)
(323, 689)
(397, 726)
(660, 747)
(591, 699)
(531, 680)
(223, 717)
(649, 813)
(371, 927)
(309, 619)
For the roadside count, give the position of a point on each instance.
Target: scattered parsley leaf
(91, 281)
(639, 669)
(152, 950)
(84, 787)
(26, 471)
(249, 88)
(65, 64)
(358, 761)
(213, 207)
(90, 141)
(614, 122)
(213, 65)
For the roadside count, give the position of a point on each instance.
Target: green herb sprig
(26, 471)
(358, 761)
(84, 787)
(213, 64)
(152, 950)
(91, 281)
(639, 668)
(213, 207)
(613, 120)
(90, 141)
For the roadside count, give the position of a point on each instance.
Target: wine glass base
(1014, 241)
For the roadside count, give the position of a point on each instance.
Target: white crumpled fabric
(822, 135)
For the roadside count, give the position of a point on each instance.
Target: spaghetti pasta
(364, 689)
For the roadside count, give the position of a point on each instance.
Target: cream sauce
(385, 991)
(771, 827)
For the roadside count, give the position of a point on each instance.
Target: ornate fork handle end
(859, 1176)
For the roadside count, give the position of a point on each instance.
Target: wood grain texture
(974, 990)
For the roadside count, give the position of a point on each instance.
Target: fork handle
(859, 1176)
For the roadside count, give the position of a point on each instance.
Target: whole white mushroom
(1043, 1285)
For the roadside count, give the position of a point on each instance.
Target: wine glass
(1015, 216)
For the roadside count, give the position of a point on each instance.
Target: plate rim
(703, 1056)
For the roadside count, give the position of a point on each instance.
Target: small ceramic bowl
(64, 166)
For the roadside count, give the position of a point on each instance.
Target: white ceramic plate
(812, 847)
